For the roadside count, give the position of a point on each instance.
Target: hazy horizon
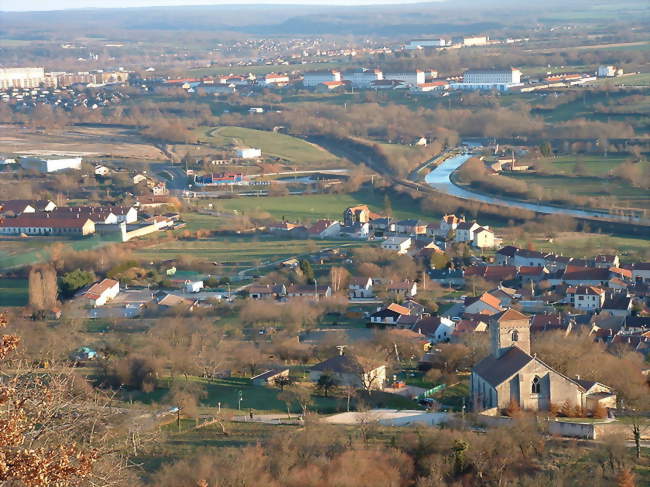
(45, 5)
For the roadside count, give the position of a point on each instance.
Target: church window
(537, 386)
(514, 336)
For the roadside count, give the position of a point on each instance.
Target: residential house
(505, 255)
(407, 289)
(437, 328)
(102, 170)
(529, 274)
(266, 291)
(172, 301)
(101, 292)
(606, 261)
(356, 231)
(270, 377)
(388, 315)
(542, 322)
(324, 229)
(346, 370)
(18, 207)
(617, 304)
(510, 375)
(356, 214)
(410, 227)
(360, 287)
(641, 272)
(484, 238)
(397, 244)
(449, 223)
(586, 298)
(585, 276)
(312, 292)
(465, 231)
(382, 226)
(447, 277)
(485, 304)
(524, 257)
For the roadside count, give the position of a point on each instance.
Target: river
(440, 180)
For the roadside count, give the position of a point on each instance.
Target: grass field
(588, 245)
(235, 253)
(264, 399)
(18, 252)
(292, 149)
(305, 208)
(641, 79)
(13, 292)
(594, 165)
(626, 195)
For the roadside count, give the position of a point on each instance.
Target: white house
(483, 238)
(101, 292)
(248, 153)
(397, 244)
(586, 298)
(193, 286)
(465, 231)
(422, 43)
(325, 229)
(436, 328)
(315, 78)
(360, 287)
(485, 304)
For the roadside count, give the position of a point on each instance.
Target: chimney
(577, 377)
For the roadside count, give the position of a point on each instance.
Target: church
(511, 375)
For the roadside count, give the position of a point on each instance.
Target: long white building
(422, 43)
(315, 78)
(411, 78)
(489, 79)
(363, 78)
(21, 77)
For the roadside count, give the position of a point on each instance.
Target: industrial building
(490, 79)
(50, 164)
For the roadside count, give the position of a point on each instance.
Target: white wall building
(475, 41)
(489, 79)
(51, 164)
(21, 77)
(315, 78)
(397, 244)
(273, 79)
(249, 153)
(363, 78)
(412, 78)
(608, 71)
(422, 43)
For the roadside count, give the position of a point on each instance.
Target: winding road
(440, 180)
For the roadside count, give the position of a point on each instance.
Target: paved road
(440, 180)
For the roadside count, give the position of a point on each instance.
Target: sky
(34, 5)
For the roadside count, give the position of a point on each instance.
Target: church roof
(497, 370)
(509, 315)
